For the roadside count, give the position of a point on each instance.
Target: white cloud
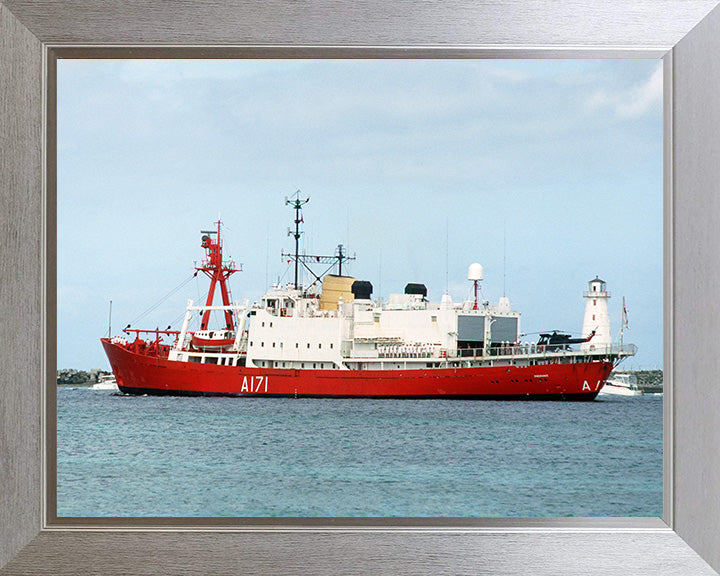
(643, 97)
(634, 101)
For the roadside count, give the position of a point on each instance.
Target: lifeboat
(213, 340)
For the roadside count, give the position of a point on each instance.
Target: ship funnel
(475, 272)
(418, 289)
(361, 289)
(333, 289)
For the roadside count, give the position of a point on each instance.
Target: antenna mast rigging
(304, 259)
(297, 204)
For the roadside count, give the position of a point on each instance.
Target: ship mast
(218, 271)
(303, 259)
(297, 204)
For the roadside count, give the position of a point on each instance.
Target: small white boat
(106, 382)
(621, 384)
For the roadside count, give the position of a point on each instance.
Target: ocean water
(164, 456)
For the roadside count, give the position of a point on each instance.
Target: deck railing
(552, 349)
(514, 350)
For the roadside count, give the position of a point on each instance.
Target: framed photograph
(35, 539)
(347, 313)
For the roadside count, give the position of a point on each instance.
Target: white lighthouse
(597, 317)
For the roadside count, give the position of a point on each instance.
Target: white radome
(475, 272)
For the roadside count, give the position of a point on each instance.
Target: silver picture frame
(684, 33)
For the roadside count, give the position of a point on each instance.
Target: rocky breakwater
(70, 376)
(649, 381)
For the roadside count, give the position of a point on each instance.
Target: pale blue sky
(419, 167)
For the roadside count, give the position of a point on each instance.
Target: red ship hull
(148, 374)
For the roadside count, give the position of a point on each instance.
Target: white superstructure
(339, 327)
(289, 328)
(302, 335)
